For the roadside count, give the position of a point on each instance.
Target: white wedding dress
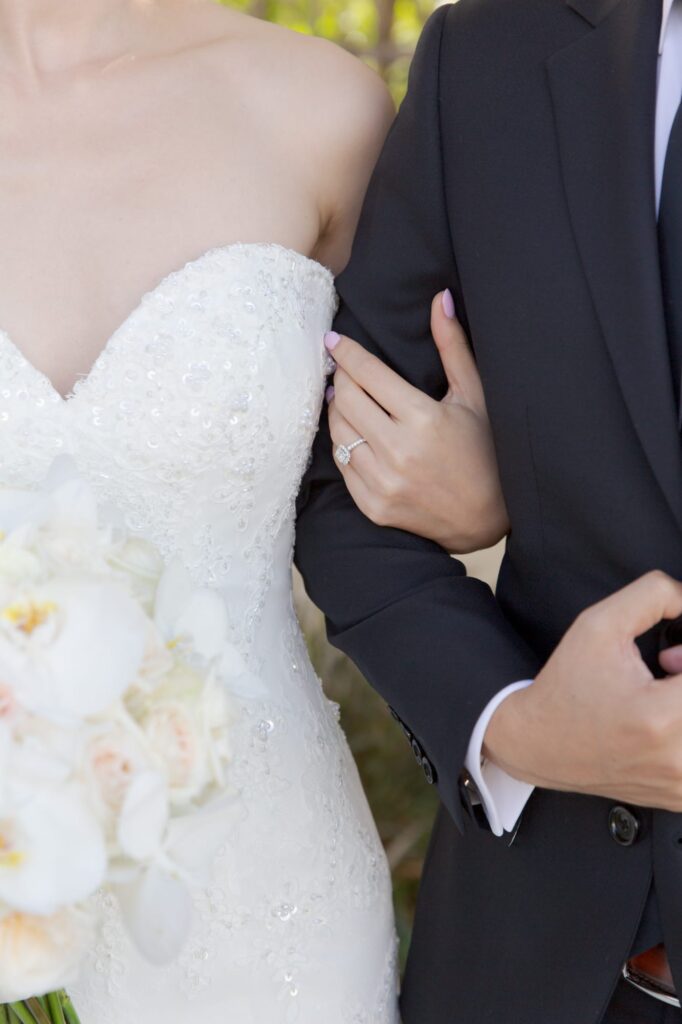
(197, 421)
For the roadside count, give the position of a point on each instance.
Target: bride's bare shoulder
(312, 78)
(324, 112)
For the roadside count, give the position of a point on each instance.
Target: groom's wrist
(508, 740)
(503, 798)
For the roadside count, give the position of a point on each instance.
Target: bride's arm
(428, 466)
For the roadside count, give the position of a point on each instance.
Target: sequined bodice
(196, 424)
(197, 418)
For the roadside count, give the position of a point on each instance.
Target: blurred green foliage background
(384, 33)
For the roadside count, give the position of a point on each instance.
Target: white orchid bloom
(64, 503)
(144, 817)
(156, 904)
(57, 524)
(194, 840)
(197, 617)
(70, 648)
(21, 511)
(41, 756)
(72, 509)
(70, 538)
(52, 852)
(185, 612)
(63, 468)
(157, 911)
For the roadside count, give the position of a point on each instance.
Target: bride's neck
(38, 37)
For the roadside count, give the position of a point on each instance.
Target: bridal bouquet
(114, 740)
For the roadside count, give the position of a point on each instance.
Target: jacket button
(417, 751)
(429, 773)
(623, 826)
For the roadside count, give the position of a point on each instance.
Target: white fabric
(503, 797)
(196, 422)
(669, 84)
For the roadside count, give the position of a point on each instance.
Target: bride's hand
(428, 467)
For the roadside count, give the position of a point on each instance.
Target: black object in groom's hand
(671, 634)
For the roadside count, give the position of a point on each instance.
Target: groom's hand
(596, 721)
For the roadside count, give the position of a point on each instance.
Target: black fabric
(630, 1006)
(670, 240)
(519, 173)
(650, 931)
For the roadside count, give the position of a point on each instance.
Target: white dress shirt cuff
(502, 796)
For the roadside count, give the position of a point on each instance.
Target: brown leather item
(651, 972)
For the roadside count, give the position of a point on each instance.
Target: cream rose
(41, 954)
(8, 702)
(114, 758)
(174, 737)
(185, 723)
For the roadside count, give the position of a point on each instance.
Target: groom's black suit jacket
(520, 172)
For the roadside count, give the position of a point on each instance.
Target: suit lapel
(604, 95)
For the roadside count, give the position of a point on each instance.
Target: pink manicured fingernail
(331, 366)
(329, 393)
(448, 304)
(331, 340)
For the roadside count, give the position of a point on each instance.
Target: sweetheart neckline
(191, 264)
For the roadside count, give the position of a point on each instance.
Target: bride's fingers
(383, 384)
(455, 352)
(358, 408)
(362, 457)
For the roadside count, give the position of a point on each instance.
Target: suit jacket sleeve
(433, 642)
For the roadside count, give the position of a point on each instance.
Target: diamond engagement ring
(343, 452)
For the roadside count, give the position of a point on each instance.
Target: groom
(536, 169)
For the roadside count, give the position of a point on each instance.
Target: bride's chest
(204, 402)
(96, 199)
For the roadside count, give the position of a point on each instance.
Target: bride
(175, 180)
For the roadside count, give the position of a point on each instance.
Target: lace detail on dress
(196, 424)
(387, 994)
